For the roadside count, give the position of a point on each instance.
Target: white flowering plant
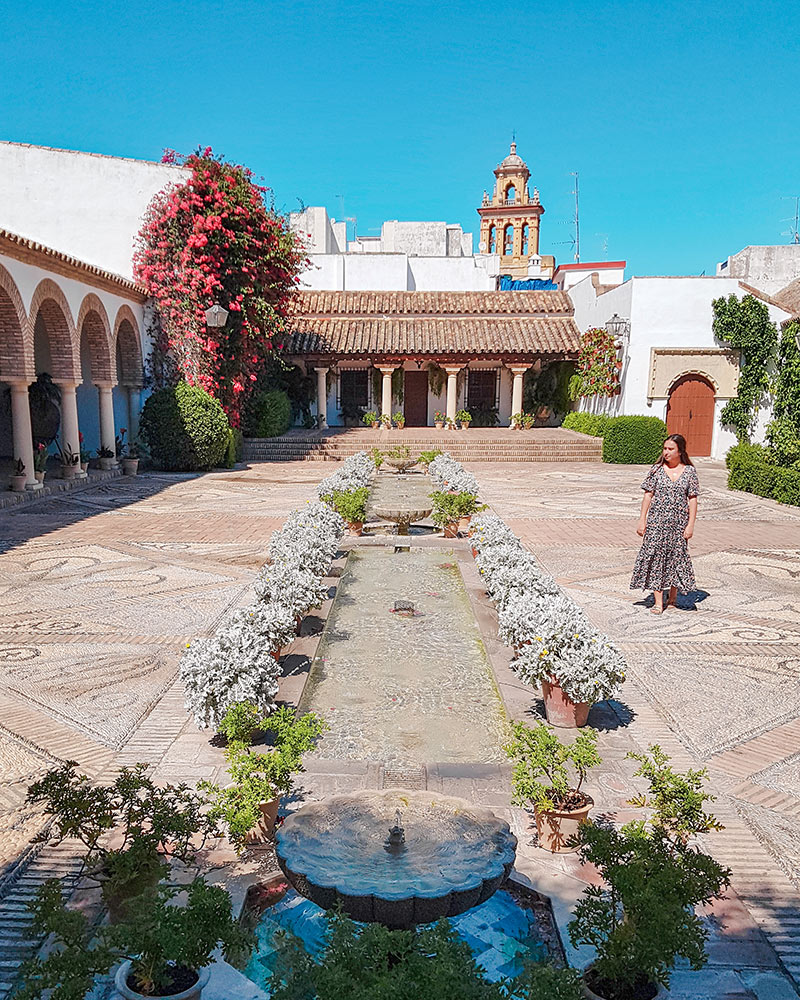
(448, 474)
(237, 664)
(587, 665)
(354, 473)
(292, 585)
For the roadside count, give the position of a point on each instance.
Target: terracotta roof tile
(429, 323)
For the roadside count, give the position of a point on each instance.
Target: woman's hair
(680, 441)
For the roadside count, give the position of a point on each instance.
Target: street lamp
(216, 316)
(619, 329)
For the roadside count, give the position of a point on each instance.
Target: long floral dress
(663, 559)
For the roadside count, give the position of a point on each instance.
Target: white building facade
(669, 352)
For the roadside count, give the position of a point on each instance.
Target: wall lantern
(216, 316)
(620, 330)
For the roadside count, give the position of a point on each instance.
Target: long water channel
(404, 687)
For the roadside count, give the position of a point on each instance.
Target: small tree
(539, 754)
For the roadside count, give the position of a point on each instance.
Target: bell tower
(510, 221)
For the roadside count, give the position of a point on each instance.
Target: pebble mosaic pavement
(101, 586)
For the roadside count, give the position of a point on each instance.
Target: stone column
(70, 432)
(107, 431)
(23, 435)
(322, 397)
(133, 400)
(386, 388)
(452, 389)
(518, 371)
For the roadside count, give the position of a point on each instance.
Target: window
(493, 239)
(511, 194)
(525, 238)
(354, 389)
(508, 241)
(481, 390)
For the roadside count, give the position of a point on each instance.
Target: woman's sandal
(656, 611)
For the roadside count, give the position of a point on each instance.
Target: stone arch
(508, 239)
(50, 312)
(16, 339)
(694, 371)
(94, 329)
(127, 347)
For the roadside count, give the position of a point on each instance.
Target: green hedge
(185, 429)
(235, 447)
(626, 440)
(633, 440)
(268, 414)
(587, 423)
(749, 470)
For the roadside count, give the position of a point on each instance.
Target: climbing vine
(597, 371)
(745, 324)
(787, 380)
(212, 239)
(437, 378)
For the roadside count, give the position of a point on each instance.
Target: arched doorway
(690, 411)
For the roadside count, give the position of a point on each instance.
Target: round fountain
(403, 500)
(396, 857)
(401, 464)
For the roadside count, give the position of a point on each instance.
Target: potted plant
(242, 721)
(541, 779)
(249, 805)
(465, 417)
(107, 459)
(370, 419)
(450, 424)
(448, 508)
(399, 420)
(153, 826)
(439, 419)
(18, 478)
(528, 420)
(642, 918)
(386, 422)
(84, 453)
(69, 461)
(377, 456)
(164, 949)
(426, 457)
(130, 459)
(516, 421)
(40, 462)
(351, 505)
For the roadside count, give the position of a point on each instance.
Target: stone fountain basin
(401, 464)
(456, 855)
(398, 514)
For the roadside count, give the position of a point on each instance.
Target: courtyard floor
(103, 586)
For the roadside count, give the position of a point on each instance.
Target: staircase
(482, 444)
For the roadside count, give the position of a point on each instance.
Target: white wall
(769, 268)
(606, 275)
(399, 272)
(87, 205)
(663, 312)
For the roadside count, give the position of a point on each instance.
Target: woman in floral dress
(669, 509)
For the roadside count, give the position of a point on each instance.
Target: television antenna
(604, 244)
(576, 221)
(794, 232)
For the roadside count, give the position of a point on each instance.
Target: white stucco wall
(769, 268)
(87, 205)
(666, 312)
(399, 272)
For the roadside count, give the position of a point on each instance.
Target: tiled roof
(31, 252)
(789, 297)
(432, 323)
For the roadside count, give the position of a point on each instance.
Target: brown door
(690, 411)
(415, 397)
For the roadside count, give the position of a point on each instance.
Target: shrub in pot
(642, 919)
(40, 462)
(370, 418)
(154, 826)
(249, 805)
(399, 420)
(350, 505)
(85, 454)
(291, 584)
(542, 779)
(439, 420)
(516, 421)
(163, 947)
(448, 508)
(106, 459)
(426, 457)
(376, 455)
(19, 479)
(465, 418)
(70, 461)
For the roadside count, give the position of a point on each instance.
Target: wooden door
(415, 398)
(690, 411)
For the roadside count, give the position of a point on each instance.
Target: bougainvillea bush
(597, 371)
(213, 239)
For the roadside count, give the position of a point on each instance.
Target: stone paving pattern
(161, 557)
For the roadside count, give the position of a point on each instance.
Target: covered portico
(423, 353)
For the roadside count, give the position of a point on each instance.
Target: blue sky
(681, 118)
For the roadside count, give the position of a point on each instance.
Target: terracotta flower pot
(474, 552)
(18, 483)
(463, 522)
(84, 466)
(106, 464)
(560, 710)
(557, 826)
(375, 425)
(465, 425)
(277, 654)
(68, 471)
(130, 466)
(451, 530)
(356, 527)
(648, 991)
(438, 424)
(298, 623)
(39, 476)
(263, 830)
(193, 993)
